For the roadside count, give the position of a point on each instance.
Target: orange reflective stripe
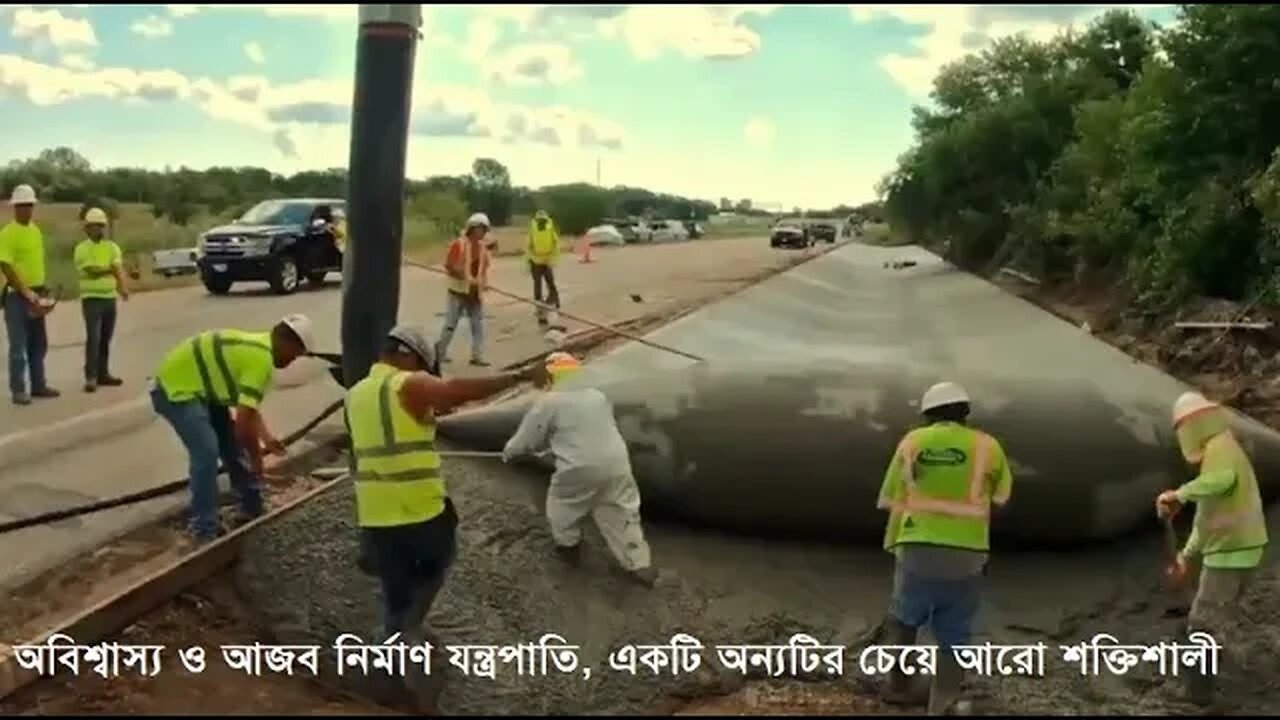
(976, 506)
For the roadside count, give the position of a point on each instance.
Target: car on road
(695, 230)
(277, 241)
(665, 231)
(822, 231)
(605, 235)
(790, 233)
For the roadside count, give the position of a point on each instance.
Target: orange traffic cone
(585, 243)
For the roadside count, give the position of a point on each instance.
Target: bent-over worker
(97, 260)
(197, 384)
(407, 522)
(939, 489)
(542, 251)
(593, 470)
(1229, 532)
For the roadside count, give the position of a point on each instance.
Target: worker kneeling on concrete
(406, 518)
(593, 470)
(1229, 530)
(195, 387)
(939, 490)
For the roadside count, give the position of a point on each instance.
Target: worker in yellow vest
(194, 389)
(1229, 532)
(25, 298)
(98, 263)
(542, 251)
(939, 490)
(467, 265)
(407, 521)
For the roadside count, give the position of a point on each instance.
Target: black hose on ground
(151, 494)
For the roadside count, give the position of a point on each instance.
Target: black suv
(277, 241)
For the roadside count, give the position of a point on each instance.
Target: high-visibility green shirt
(22, 248)
(225, 367)
(1206, 486)
(101, 254)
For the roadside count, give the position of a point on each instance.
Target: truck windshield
(277, 212)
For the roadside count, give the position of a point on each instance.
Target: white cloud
(152, 26)
(53, 28)
(696, 31)
(953, 31)
(535, 64)
(253, 50)
(482, 35)
(328, 12)
(76, 61)
(759, 132)
(282, 111)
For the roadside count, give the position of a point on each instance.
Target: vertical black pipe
(375, 181)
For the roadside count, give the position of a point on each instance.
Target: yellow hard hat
(95, 216)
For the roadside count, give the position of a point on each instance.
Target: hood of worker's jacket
(1196, 431)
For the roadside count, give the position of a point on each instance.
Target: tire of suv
(216, 284)
(284, 275)
(316, 278)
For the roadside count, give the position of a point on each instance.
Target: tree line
(63, 175)
(1125, 152)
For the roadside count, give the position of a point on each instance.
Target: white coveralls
(592, 475)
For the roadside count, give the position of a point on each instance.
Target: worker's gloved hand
(1168, 504)
(1178, 571)
(273, 446)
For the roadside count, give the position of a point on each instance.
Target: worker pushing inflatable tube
(784, 444)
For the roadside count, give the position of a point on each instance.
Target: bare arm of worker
(1001, 475)
(423, 395)
(534, 434)
(120, 285)
(891, 488)
(16, 283)
(249, 432)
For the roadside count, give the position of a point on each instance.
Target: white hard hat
(301, 326)
(95, 216)
(478, 219)
(23, 195)
(1188, 404)
(417, 342)
(944, 393)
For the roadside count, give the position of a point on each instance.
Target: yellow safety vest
(397, 469)
(544, 245)
(939, 488)
(462, 285)
(1234, 521)
(226, 367)
(98, 255)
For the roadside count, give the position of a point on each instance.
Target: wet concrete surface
(813, 376)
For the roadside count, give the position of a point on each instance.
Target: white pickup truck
(174, 262)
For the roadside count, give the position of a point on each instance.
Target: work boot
(1199, 687)
(479, 362)
(110, 381)
(646, 576)
(571, 554)
(903, 689)
(22, 399)
(944, 691)
(90, 386)
(46, 392)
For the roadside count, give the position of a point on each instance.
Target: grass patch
(880, 234)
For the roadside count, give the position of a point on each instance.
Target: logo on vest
(948, 457)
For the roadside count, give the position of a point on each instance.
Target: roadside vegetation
(1122, 156)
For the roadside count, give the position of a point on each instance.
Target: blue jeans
(28, 344)
(455, 308)
(948, 607)
(205, 431)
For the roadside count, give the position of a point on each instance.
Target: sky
(785, 105)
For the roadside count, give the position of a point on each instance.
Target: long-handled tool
(552, 308)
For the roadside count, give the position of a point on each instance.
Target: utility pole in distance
(385, 53)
